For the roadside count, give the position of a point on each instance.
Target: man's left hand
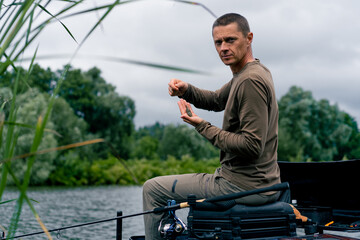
(187, 114)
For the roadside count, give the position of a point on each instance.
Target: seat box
(242, 222)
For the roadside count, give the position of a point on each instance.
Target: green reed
(19, 28)
(20, 25)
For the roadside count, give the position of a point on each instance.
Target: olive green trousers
(158, 190)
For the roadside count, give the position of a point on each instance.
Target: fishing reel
(171, 226)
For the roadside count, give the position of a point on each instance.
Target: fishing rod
(228, 197)
(81, 225)
(155, 210)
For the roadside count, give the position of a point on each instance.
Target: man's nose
(224, 47)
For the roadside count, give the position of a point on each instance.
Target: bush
(112, 171)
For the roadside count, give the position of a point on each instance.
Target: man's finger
(182, 107)
(172, 84)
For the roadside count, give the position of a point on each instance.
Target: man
(248, 138)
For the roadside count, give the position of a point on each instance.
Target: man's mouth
(226, 56)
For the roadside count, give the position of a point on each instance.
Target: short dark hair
(228, 18)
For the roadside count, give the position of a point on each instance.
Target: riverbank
(131, 172)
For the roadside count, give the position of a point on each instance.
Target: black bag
(242, 222)
(227, 220)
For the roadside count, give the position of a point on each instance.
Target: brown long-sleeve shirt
(248, 139)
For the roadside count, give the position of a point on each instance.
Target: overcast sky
(307, 43)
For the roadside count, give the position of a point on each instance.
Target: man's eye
(230, 40)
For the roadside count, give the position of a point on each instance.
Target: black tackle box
(241, 221)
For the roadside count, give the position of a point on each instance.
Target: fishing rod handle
(186, 204)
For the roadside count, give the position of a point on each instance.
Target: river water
(59, 207)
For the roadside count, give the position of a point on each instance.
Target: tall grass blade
(110, 8)
(19, 204)
(60, 148)
(12, 31)
(199, 4)
(23, 125)
(23, 188)
(1, 6)
(29, 36)
(8, 201)
(36, 142)
(96, 9)
(152, 65)
(12, 200)
(15, 218)
(17, 212)
(27, 32)
(29, 28)
(28, 73)
(9, 22)
(8, 60)
(2, 121)
(45, 10)
(46, 231)
(41, 123)
(19, 19)
(8, 16)
(98, 16)
(125, 60)
(10, 137)
(3, 67)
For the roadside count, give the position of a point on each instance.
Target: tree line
(87, 107)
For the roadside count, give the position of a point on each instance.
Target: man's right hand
(177, 87)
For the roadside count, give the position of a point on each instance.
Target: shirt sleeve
(248, 140)
(208, 100)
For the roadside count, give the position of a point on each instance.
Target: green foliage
(106, 113)
(314, 130)
(156, 131)
(171, 140)
(64, 119)
(5, 97)
(86, 104)
(70, 170)
(181, 140)
(28, 113)
(146, 147)
(40, 78)
(111, 171)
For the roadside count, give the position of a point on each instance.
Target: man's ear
(250, 37)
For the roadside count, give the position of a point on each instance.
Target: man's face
(231, 45)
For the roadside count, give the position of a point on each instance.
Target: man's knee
(149, 186)
(153, 194)
(152, 189)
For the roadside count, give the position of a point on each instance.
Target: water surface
(59, 207)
